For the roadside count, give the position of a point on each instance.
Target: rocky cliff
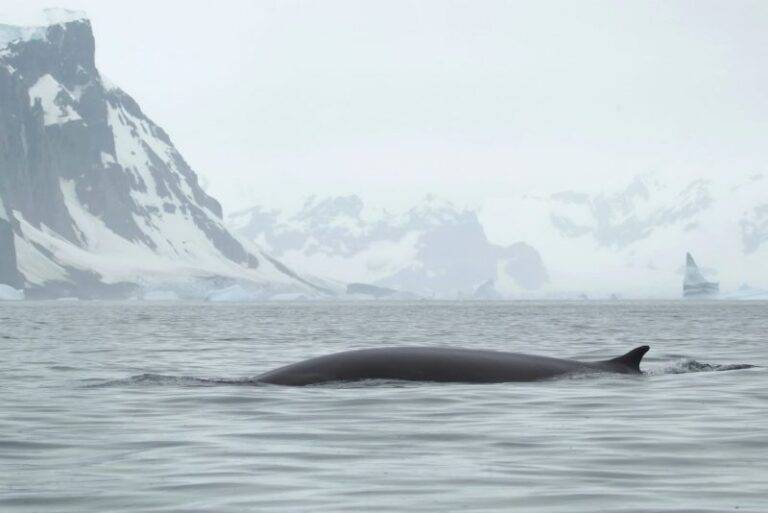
(97, 198)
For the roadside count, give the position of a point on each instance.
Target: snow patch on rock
(35, 25)
(58, 15)
(55, 100)
(11, 33)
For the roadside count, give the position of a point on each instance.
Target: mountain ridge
(99, 201)
(433, 249)
(625, 240)
(631, 238)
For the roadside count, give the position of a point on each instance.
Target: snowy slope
(99, 201)
(433, 249)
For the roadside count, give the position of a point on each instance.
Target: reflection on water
(151, 407)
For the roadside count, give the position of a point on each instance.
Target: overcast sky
(270, 101)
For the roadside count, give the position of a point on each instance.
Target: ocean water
(149, 407)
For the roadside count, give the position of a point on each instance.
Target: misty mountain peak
(96, 198)
(63, 47)
(333, 207)
(434, 248)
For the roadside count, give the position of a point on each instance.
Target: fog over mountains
(96, 202)
(629, 241)
(433, 249)
(632, 239)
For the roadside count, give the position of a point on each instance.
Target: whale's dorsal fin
(631, 359)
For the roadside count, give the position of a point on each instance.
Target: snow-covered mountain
(627, 240)
(95, 200)
(434, 249)
(632, 239)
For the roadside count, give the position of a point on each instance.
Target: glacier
(746, 293)
(8, 293)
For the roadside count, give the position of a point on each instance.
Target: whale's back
(430, 364)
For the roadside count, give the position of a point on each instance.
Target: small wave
(687, 365)
(375, 383)
(165, 380)
(683, 366)
(62, 368)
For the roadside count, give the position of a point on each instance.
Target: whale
(442, 364)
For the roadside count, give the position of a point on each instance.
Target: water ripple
(126, 407)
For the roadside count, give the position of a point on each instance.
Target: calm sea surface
(111, 407)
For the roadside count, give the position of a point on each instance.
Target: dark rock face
(31, 157)
(454, 254)
(524, 265)
(487, 291)
(9, 274)
(64, 128)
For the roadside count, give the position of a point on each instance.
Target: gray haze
(273, 101)
(434, 249)
(604, 141)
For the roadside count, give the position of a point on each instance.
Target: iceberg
(8, 293)
(694, 284)
(747, 293)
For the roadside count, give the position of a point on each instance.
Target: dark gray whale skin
(440, 364)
